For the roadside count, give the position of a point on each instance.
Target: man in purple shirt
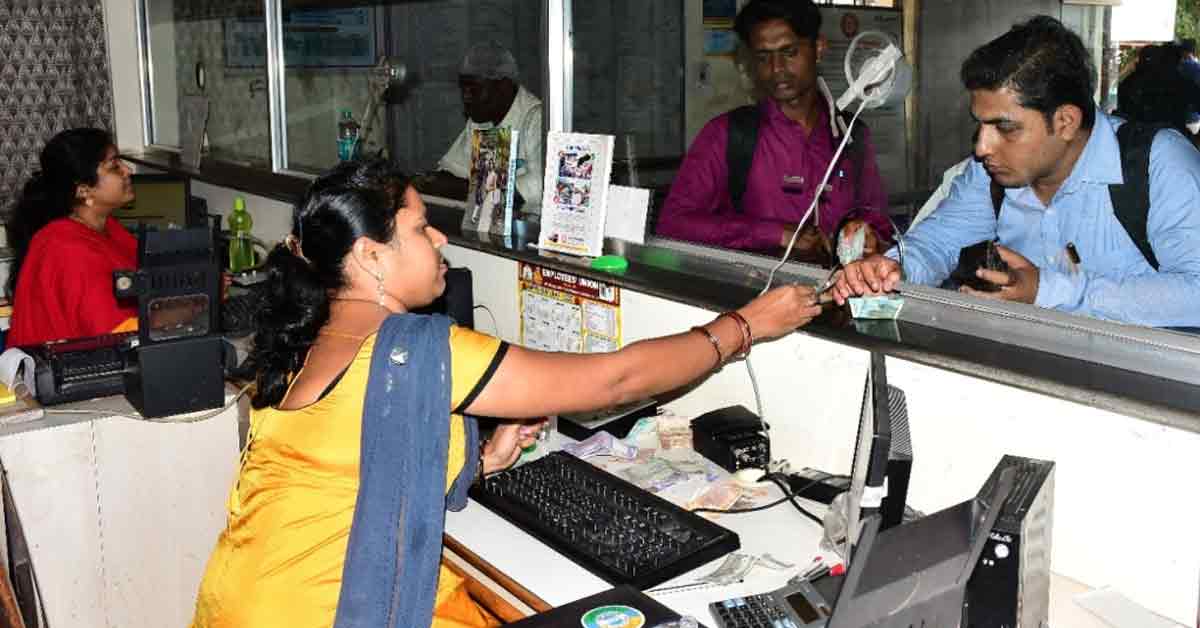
(798, 134)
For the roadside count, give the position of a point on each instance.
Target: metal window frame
(560, 62)
(276, 86)
(146, 68)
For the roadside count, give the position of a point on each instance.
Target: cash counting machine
(177, 364)
(173, 363)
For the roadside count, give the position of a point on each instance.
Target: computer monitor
(160, 200)
(458, 300)
(882, 455)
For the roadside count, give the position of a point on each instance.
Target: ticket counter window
(205, 58)
(390, 68)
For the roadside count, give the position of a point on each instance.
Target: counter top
(1134, 371)
(496, 546)
(709, 282)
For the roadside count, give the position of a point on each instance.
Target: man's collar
(1100, 161)
(825, 103)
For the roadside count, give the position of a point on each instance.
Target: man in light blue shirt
(1043, 141)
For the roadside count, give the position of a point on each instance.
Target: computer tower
(900, 460)
(1010, 586)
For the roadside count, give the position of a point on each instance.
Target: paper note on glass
(627, 210)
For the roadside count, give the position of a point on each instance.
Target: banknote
(881, 307)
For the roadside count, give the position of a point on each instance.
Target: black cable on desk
(779, 480)
(788, 495)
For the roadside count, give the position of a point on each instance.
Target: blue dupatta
(390, 576)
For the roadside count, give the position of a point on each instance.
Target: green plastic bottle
(241, 247)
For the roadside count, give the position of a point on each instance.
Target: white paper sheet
(627, 210)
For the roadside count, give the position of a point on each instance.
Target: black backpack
(743, 137)
(1130, 200)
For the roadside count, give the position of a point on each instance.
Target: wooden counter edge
(493, 600)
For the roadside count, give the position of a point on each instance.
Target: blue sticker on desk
(614, 616)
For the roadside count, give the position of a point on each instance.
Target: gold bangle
(716, 344)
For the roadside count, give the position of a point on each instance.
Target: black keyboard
(610, 527)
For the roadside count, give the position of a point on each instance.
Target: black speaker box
(176, 377)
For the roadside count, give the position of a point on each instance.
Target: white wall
(1124, 508)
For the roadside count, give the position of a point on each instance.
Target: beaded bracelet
(716, 344)
(479, 474)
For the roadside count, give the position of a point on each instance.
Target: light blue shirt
(1113, 281)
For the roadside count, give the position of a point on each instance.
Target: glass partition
(200, 51)
(628, 82)
(652, 74)
(392, 68)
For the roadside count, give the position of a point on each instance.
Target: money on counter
(879, 307)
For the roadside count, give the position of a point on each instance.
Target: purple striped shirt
(788, 164)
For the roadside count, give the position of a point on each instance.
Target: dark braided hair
(70, 159)
(353, 200)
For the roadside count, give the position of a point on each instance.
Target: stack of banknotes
(877, 307)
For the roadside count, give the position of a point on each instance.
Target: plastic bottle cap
(239, 203)
(610, 263)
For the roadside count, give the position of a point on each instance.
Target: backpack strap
(743, 137)
(1131, 199)
(739, 151)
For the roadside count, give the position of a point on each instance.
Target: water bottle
(347, 138)
(241, 247)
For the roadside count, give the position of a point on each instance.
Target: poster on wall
(561, 311)
(719, 37)
(840, 25)
(720, 12)
(311, 38)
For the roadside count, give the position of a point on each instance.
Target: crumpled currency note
(653, 475)
(716, 496)
(851, 249)
(733, 569)
(602, 444)
(690, 463)
(879, 307)
(737, 565)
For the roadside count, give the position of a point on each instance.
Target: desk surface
(781, 532)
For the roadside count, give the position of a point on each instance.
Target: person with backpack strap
(1095, 216)
(751, 174)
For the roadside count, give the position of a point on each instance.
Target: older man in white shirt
(491, 98)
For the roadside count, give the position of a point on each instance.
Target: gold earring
(88, 201)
